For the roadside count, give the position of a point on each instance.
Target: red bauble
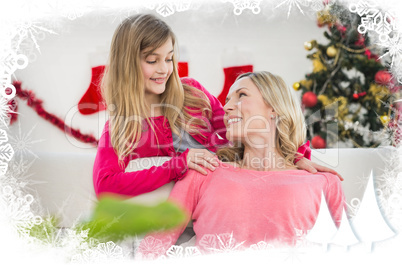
(309, 99)
(318, 143)
(383, 77)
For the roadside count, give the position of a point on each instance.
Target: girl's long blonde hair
(123, 86)
(290, 126)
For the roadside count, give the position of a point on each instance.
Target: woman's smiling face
(247, 115)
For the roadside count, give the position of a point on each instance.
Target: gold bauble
(332, 51)
(384, 119)
(296, 86)
(310, 45)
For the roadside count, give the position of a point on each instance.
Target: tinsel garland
(36, 104)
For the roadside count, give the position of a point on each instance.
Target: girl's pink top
(109, 177)
(237, 208)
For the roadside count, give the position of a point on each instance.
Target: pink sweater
(240, 206)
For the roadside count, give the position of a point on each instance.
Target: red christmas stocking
(183, 69)
(231, 73)
(92, 101)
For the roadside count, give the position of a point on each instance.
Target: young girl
(154, 113)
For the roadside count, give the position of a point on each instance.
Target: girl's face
(247, 116)
(157, 68)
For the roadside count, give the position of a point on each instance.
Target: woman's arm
(109, 177)
(335, 197)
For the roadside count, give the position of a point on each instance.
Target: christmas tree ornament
(382, 77)
(357, 96)
(318, 66)
(306, 83)
(310, 45)
(318, 143)
(325, 17)
(296, 86)
(332, 51)
(323, 99)
(385, 119)
(309, 99)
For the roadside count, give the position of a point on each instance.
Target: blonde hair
(290, 128)
(123, 85)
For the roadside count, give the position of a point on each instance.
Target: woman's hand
(312, 167)
(199, 158)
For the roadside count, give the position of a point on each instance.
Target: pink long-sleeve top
(109, 177)
(244, 207)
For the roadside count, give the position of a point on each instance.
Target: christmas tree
(349, 97)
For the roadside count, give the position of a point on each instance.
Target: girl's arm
(303, 161)
(217, 112)
(109, 177)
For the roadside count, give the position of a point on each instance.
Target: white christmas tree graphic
(369, 224)
(324, 228)
(345, 236)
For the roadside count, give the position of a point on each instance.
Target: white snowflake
(30, 29)
(109, 251)
(4, 112)
(262, 245)
(240, 5)
(17, 209)
(176, 251)
(9, 63)
(165, 9)
(372, 19)
(6, 152)
(394, 48)
(19, 168)
(22, 142)
(296, 3)
(150, 248)
(293, 254)
(223, 243)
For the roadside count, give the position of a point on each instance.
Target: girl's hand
(312, 167)
(197, 159)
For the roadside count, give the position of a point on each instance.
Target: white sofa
(63, 181)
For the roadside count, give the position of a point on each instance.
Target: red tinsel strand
(36, 104)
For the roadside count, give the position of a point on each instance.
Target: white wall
(62, 71)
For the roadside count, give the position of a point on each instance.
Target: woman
(258, 194)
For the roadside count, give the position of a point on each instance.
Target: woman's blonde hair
(123, 85)
(290, 126)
